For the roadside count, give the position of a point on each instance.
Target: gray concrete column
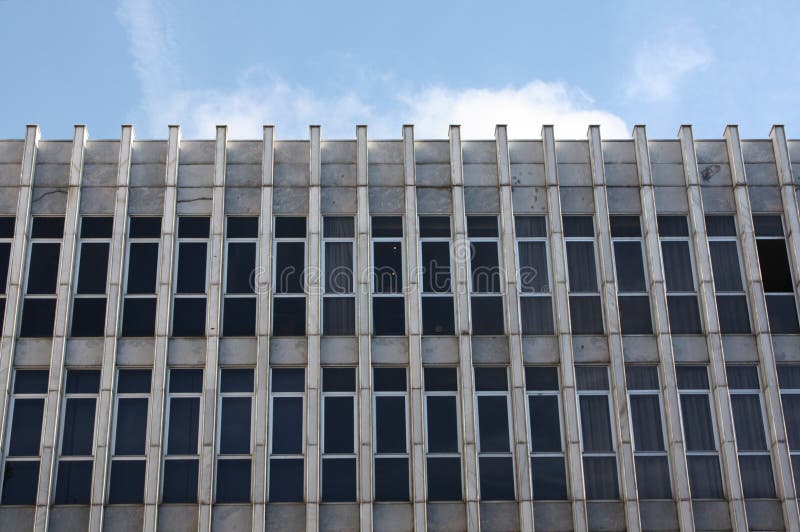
(710, 319)
(105, 407)
(613, 332)
(52, 412)
(658, 303)
(569, 396)
(16, 278)
(152, 487)
(313, 331)
(461, 273)
(769, 375)
(413, 311)
(363, 328)
(508, 242)
(208, 429)
(261, 278)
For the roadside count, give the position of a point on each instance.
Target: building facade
(399, 334)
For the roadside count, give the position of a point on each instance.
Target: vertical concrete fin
(363, 321)
(658, 305)
(101, 469)
(413, 311)
(163, 316)
(710, 319)
(522, 457)
(613, 332)
(261, 279)
(47, 469)
(16, 271)
(461, 273)
(313, 331)
(563, 331)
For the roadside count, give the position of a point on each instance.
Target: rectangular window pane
(287, 425)
(180, 481)
(184, 422)
(235, 421)
(533, 274)
(139, 317)
(444, 479)
(388, 267)
(600, 478)
(126, 482)
(435, 267)
(487, 315)
(233, 480)
(78, 431)
(388, 316)
(289, 316)
(239, 316)
(391, 479)
(20, 481)
(339, 425)
(339, 316)
(442, 412)
(549, 478)
(286, 480)
(705, 478)
(131, 428)
(493, 420)
(240, 268)
(74, 482)
(536, 315)
(595, 423)
(339, 267)
(339, 479)
(290, 261)
(437, 316)
(43, 267)
(545, 426)
(630, 267)
(684, 314)
(142, 267)
(191, 268)
(496, 478)
(93, 270)
(390, 424)
(26, 427)
(485, 267)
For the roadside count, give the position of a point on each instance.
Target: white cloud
(524, 110)
(661, 66)
(264, 98)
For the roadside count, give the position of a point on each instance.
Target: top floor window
(536, 292)
(436, 275)
(585, 308)
(388, 286)
(679, 275)
(486, 300)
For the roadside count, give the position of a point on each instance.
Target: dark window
(39, 304)
(128, 461)
(286, 471)
(533, 276)
(702, 455)
(338, 303)
(339, 435)
(599, 454)
(495, 461)
(789, 381)
(139, 306)
(289, 303)
(239, 304)
(633, 299)
(585, 309)
(391, 444)
(73, 485)
(235, 421)
(437, 291)
(443, 449)
(89, 304)
(546, 440)
(6, 234)
(388, 301)
(189, 304)
(755, 463)
(26, 412)
(731, 299)
(682, 304)
(182, 458)
(650, 452)
(776, 274)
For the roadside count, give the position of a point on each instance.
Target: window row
(243, 276)
(391, 434)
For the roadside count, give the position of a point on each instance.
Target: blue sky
(198, 63)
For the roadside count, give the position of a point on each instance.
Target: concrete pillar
(105, 408)
(52, 412)
(208, 431)
(262, 278)
(16, 278)
(710, 318)
(569, 396)
(781, 461)
(508, 243)
(152, 485)
(363, 318)
(313, 331)
(658, 303)
(613, 332)
(461, 274)
(413, 311)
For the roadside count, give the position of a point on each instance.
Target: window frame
(218, 456)
(693, 263)
(646, 271)
(376, 455)
(547, 255)
(25, 293)
(324, 271)
(789, 265)
(561, 426)
(459, 440)
(323, 455)
(129, 240)
(270, 432)
(597, 278)
(401, 292)
(176, 263)
(742, 277)
(225, 265)
(505, 394)
(421, 273)
(168, 418)
(76, 271)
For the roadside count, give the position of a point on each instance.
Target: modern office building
(399, 334)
